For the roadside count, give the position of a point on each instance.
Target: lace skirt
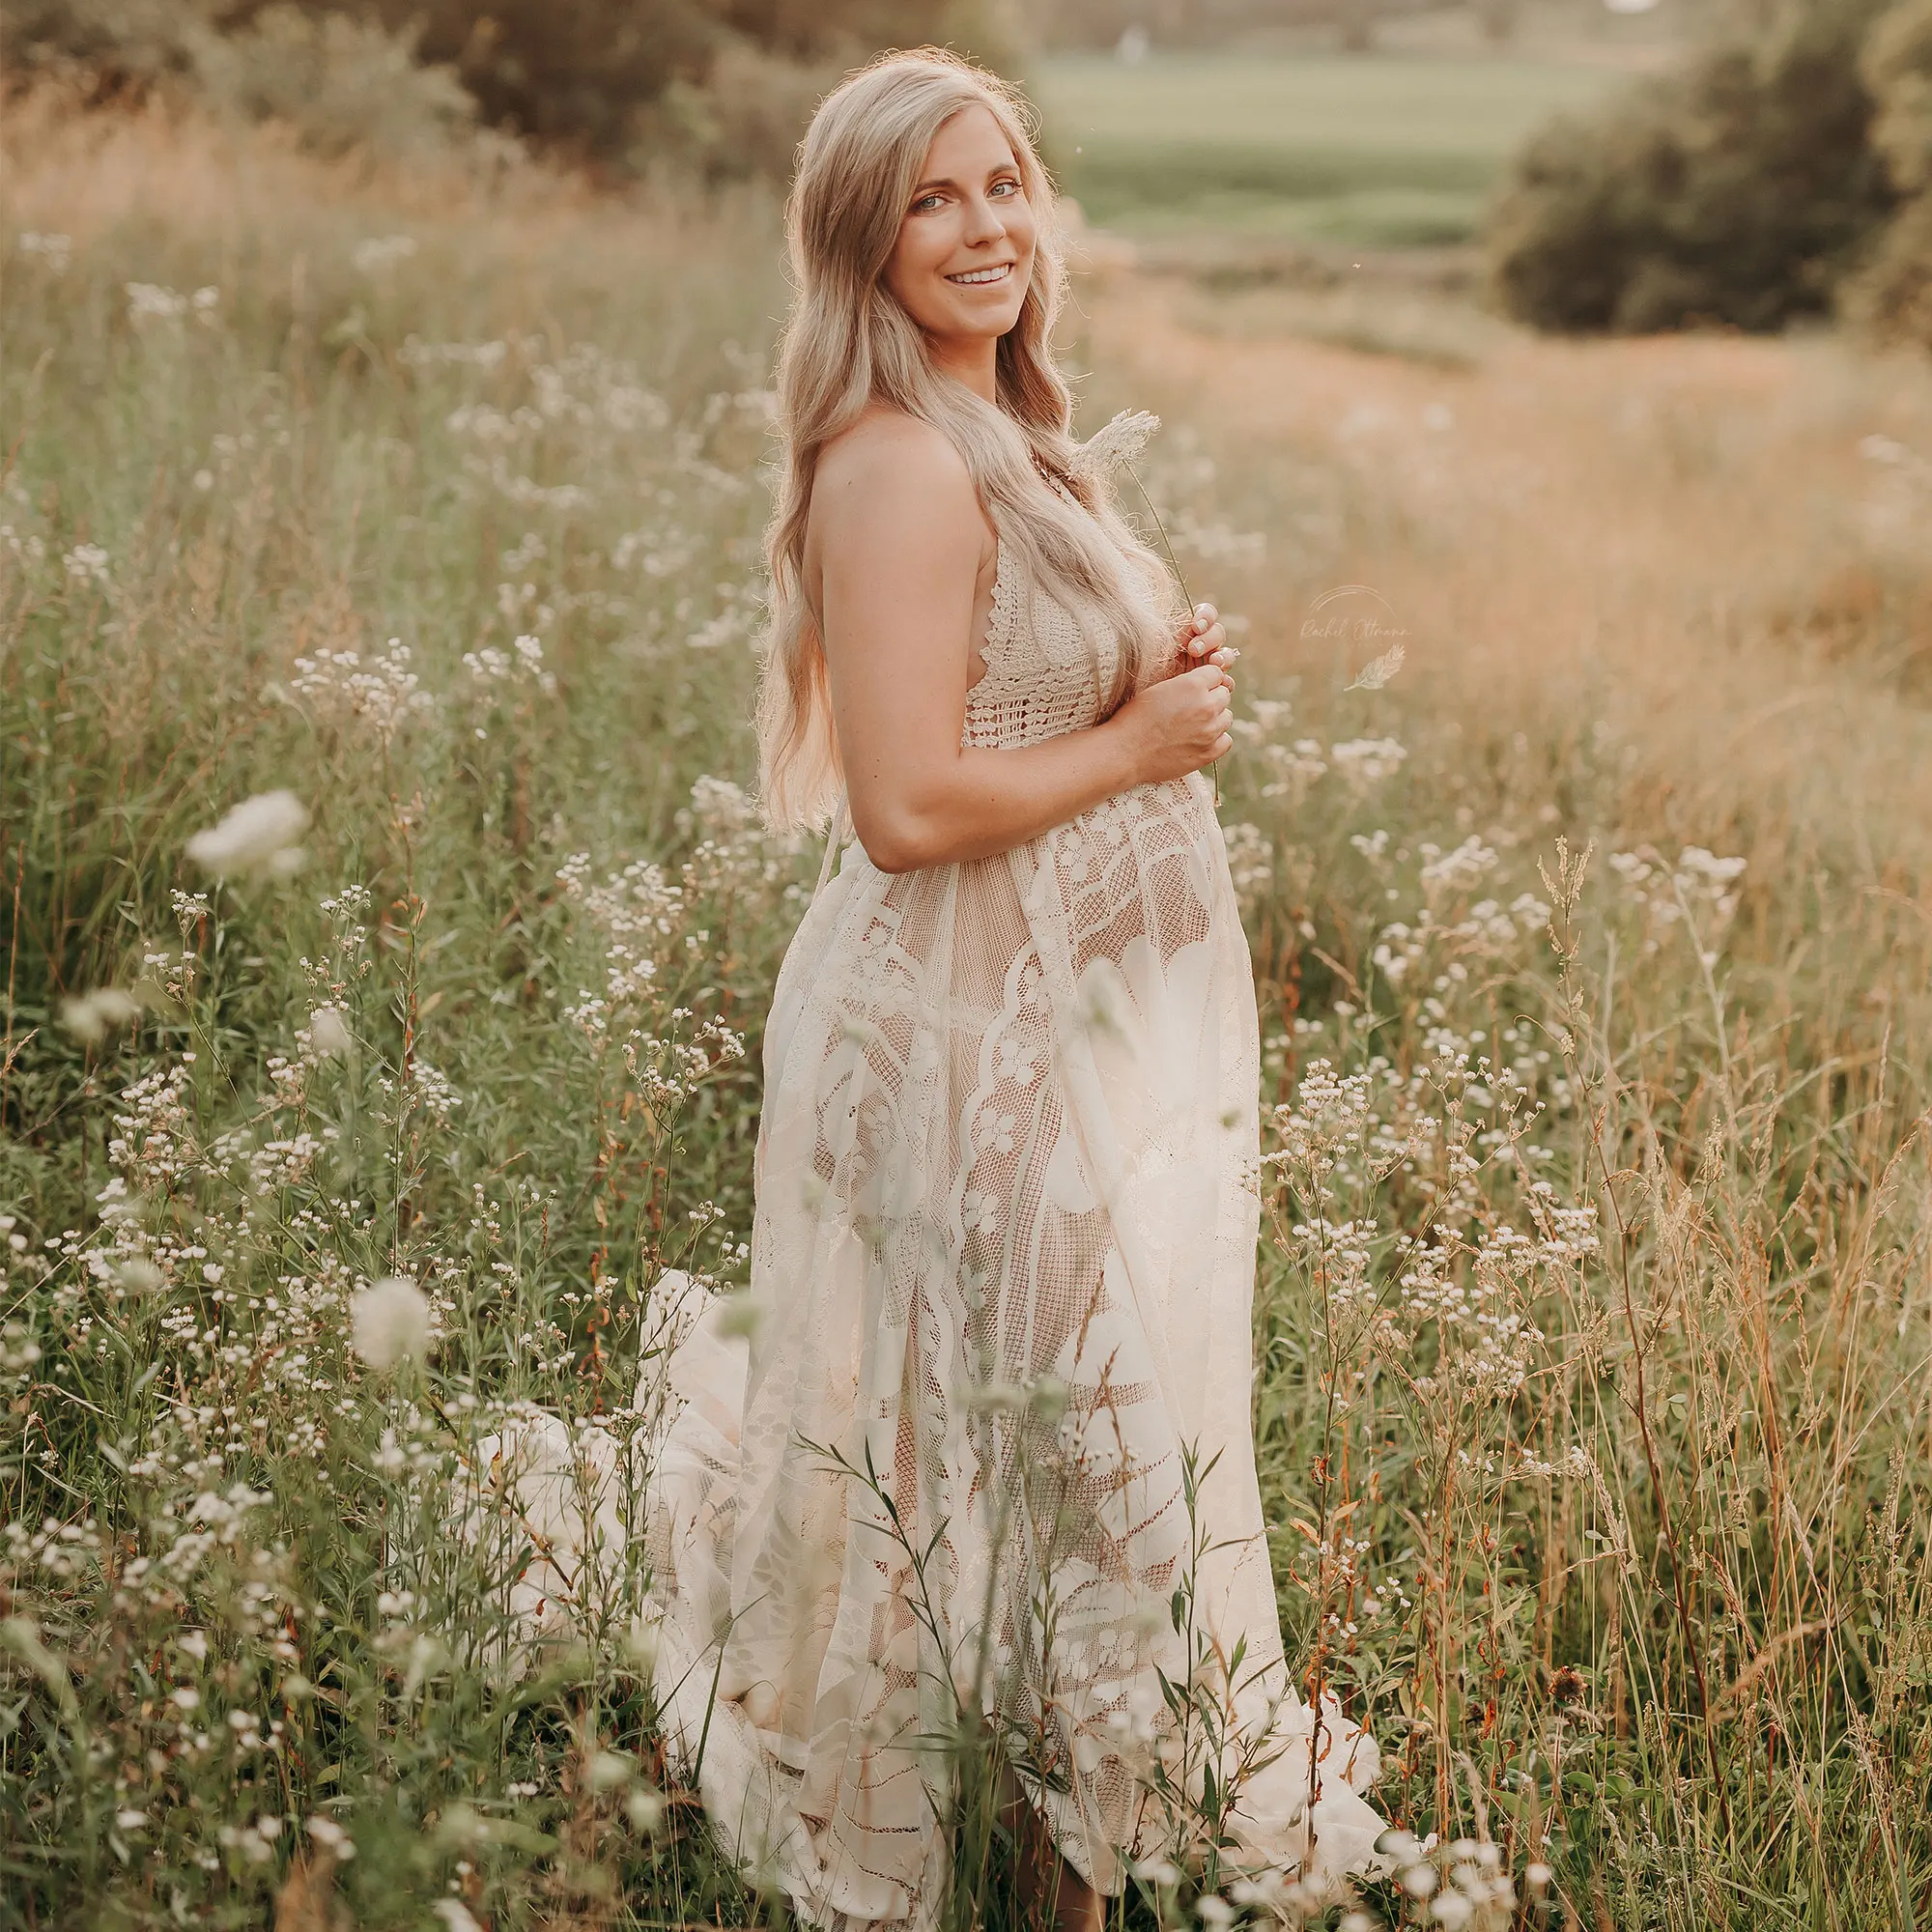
(994, 1409)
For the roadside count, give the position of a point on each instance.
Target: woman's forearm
(985, 801)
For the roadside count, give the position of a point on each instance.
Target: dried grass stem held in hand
(1181, 723)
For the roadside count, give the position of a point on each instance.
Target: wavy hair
(849, 344)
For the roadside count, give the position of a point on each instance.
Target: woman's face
(964, 255)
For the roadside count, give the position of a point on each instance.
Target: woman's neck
(973, 360)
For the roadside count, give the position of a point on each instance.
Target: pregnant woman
(993, 1411)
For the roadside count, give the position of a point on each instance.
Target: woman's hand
(1179, 724)
(1203, 638)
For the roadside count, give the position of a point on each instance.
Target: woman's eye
(1008, 187)
(927, 202)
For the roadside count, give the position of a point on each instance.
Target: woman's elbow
(891, 853)
(898, 842)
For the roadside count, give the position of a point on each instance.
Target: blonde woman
(1002, 1256)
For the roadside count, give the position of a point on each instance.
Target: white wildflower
(328, 1033)
(384, 694)
(90, 1018)
(260, 834)
(388, 1321)
(1470, 862)
(87, 563)
(418, 354)
(332, 1837)
(148, 301)
(382, 251)
(1364, 761)
(55, 250)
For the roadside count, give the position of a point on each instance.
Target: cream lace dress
(1002, 1279)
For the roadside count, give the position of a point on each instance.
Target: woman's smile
(971, 279)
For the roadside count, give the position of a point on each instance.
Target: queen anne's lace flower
(260, 834)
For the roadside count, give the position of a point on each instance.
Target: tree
(1891, 297)
(1739, 191)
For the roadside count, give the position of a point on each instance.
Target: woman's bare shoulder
(893, 463)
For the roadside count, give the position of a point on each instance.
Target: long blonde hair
(848, 342)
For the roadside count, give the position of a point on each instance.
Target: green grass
(1380, 150)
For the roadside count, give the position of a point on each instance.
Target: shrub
(338, 81)
(120, 46)
(585, 74)
(1892, 297)
(341, 83)
(565, 73)
(1739, 191)
(729, 84)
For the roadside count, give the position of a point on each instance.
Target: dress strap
(834, 838)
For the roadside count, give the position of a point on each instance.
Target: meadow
(1394, 150)
(340, 1143)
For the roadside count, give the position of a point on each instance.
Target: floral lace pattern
(1002, 1271)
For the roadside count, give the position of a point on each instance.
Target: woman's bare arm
(897, 545)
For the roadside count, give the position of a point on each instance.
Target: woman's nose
(982, 221)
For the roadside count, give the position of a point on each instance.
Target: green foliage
(570, 72)
(1737, 191)
(343, 84)
(338, 82)
(735, 82)
(727, 86)
(1892, 296)
(122, 46)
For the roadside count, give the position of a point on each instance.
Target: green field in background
(1379, 150)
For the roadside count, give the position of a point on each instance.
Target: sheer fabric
(1002, 1278)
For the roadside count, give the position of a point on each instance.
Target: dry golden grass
(1678, 541)
(1680, 535)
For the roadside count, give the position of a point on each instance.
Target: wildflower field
(389, 935)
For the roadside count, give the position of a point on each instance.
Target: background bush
(1739, 191)
(727, 86)
(1892, 296)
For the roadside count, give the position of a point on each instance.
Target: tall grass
(1594, 1325)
